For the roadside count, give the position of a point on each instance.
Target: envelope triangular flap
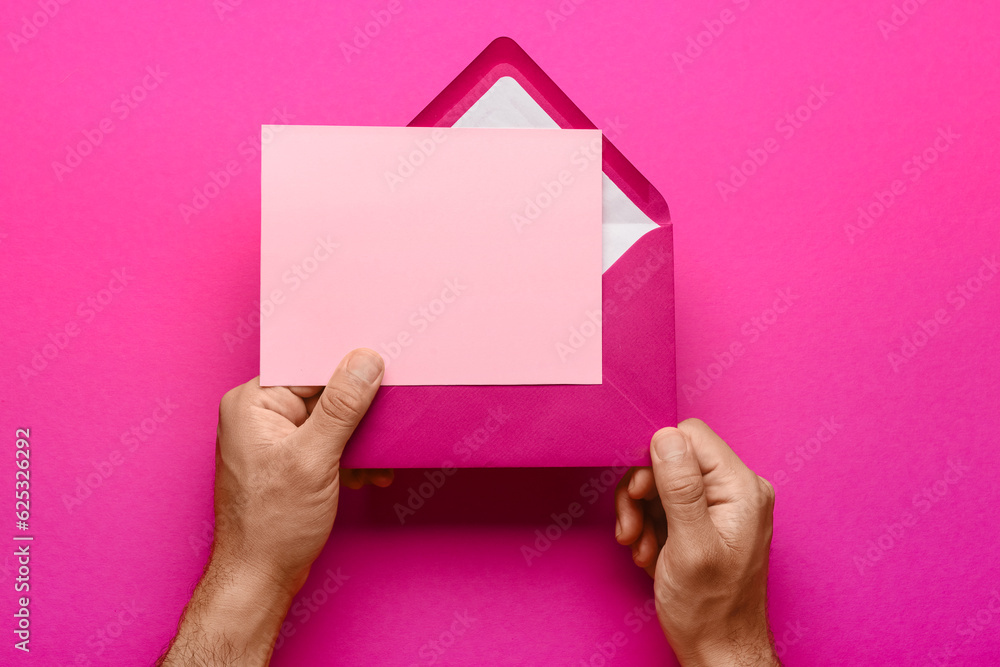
(504, 58)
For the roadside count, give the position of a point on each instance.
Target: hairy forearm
(752, 648)
(756, 655)
(233, 618)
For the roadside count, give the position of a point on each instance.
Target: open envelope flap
(504, 58)
(546, 425)
(507, 105)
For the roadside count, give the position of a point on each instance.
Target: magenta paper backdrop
(864, 381)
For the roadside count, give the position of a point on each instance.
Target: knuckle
(685, 489)
(228, 399)
(765, 493)
(240, 396)
(766, 534)
(229, 404)
(342, 406)
(768, 489)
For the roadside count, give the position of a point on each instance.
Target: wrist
(750, 649)
(230, 588)
(270, 577)
(235, 613)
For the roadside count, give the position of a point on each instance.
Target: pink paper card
(464, 256)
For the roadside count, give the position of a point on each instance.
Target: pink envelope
(548, 425)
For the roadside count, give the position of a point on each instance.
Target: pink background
(837, 596)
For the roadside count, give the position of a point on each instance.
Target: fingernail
(365, 365)
(669, 446)
(618, 529)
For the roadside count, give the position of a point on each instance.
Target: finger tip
(365, 364)
(305, 392)
(374, 356)
(642, 557)
(667, 432)
(349, 479)
(637, 555)
(628, 534)
(668, 444)
(691, 425)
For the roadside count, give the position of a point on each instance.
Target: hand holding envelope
(518, 286)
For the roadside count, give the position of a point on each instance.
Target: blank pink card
(464, 256)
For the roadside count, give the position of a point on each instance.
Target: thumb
(344, 401)
(679, 483)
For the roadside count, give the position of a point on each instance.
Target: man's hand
(699, 522)
(277, 485)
